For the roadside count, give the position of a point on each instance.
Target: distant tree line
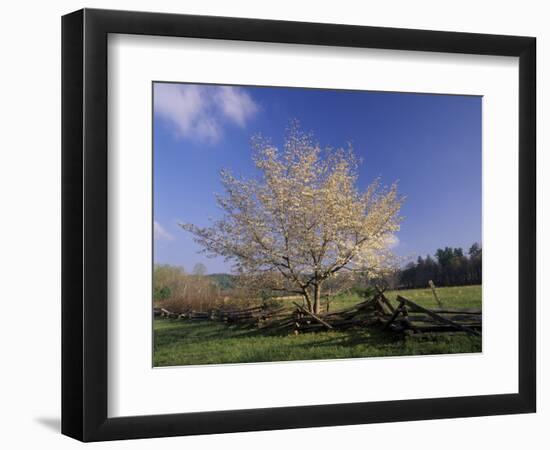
(448, 267)
(173, 286)
(177, 290)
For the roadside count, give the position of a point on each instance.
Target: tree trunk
(307, 300)
(317, 298)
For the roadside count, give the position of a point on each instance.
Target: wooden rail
(370, 312)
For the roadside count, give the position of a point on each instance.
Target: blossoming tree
(303, 220)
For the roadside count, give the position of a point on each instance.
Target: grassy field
(451, 297)
(193, 343)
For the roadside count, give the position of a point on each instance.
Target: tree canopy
(450, 267)
(303, 220)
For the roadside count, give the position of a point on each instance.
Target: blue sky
(430, 144)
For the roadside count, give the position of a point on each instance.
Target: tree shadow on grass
(203, 331)
(354, 337)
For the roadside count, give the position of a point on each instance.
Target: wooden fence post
(432, 286)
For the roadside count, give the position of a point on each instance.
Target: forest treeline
(180, 290)
(448, 267)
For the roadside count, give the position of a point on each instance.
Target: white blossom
(304, 219)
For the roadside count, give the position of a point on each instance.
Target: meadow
(180, 342)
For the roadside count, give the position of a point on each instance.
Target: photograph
(295, 224)
(266, 225)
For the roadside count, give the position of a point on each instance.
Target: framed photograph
(273, 224)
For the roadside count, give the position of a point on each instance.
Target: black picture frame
(84, 224)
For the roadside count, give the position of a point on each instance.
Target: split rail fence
(405, 317)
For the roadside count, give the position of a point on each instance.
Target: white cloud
(236, 104)
(392, 241)
(160, 233)
(201, 112)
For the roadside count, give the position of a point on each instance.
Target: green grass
(193, 343)
(468, 297)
